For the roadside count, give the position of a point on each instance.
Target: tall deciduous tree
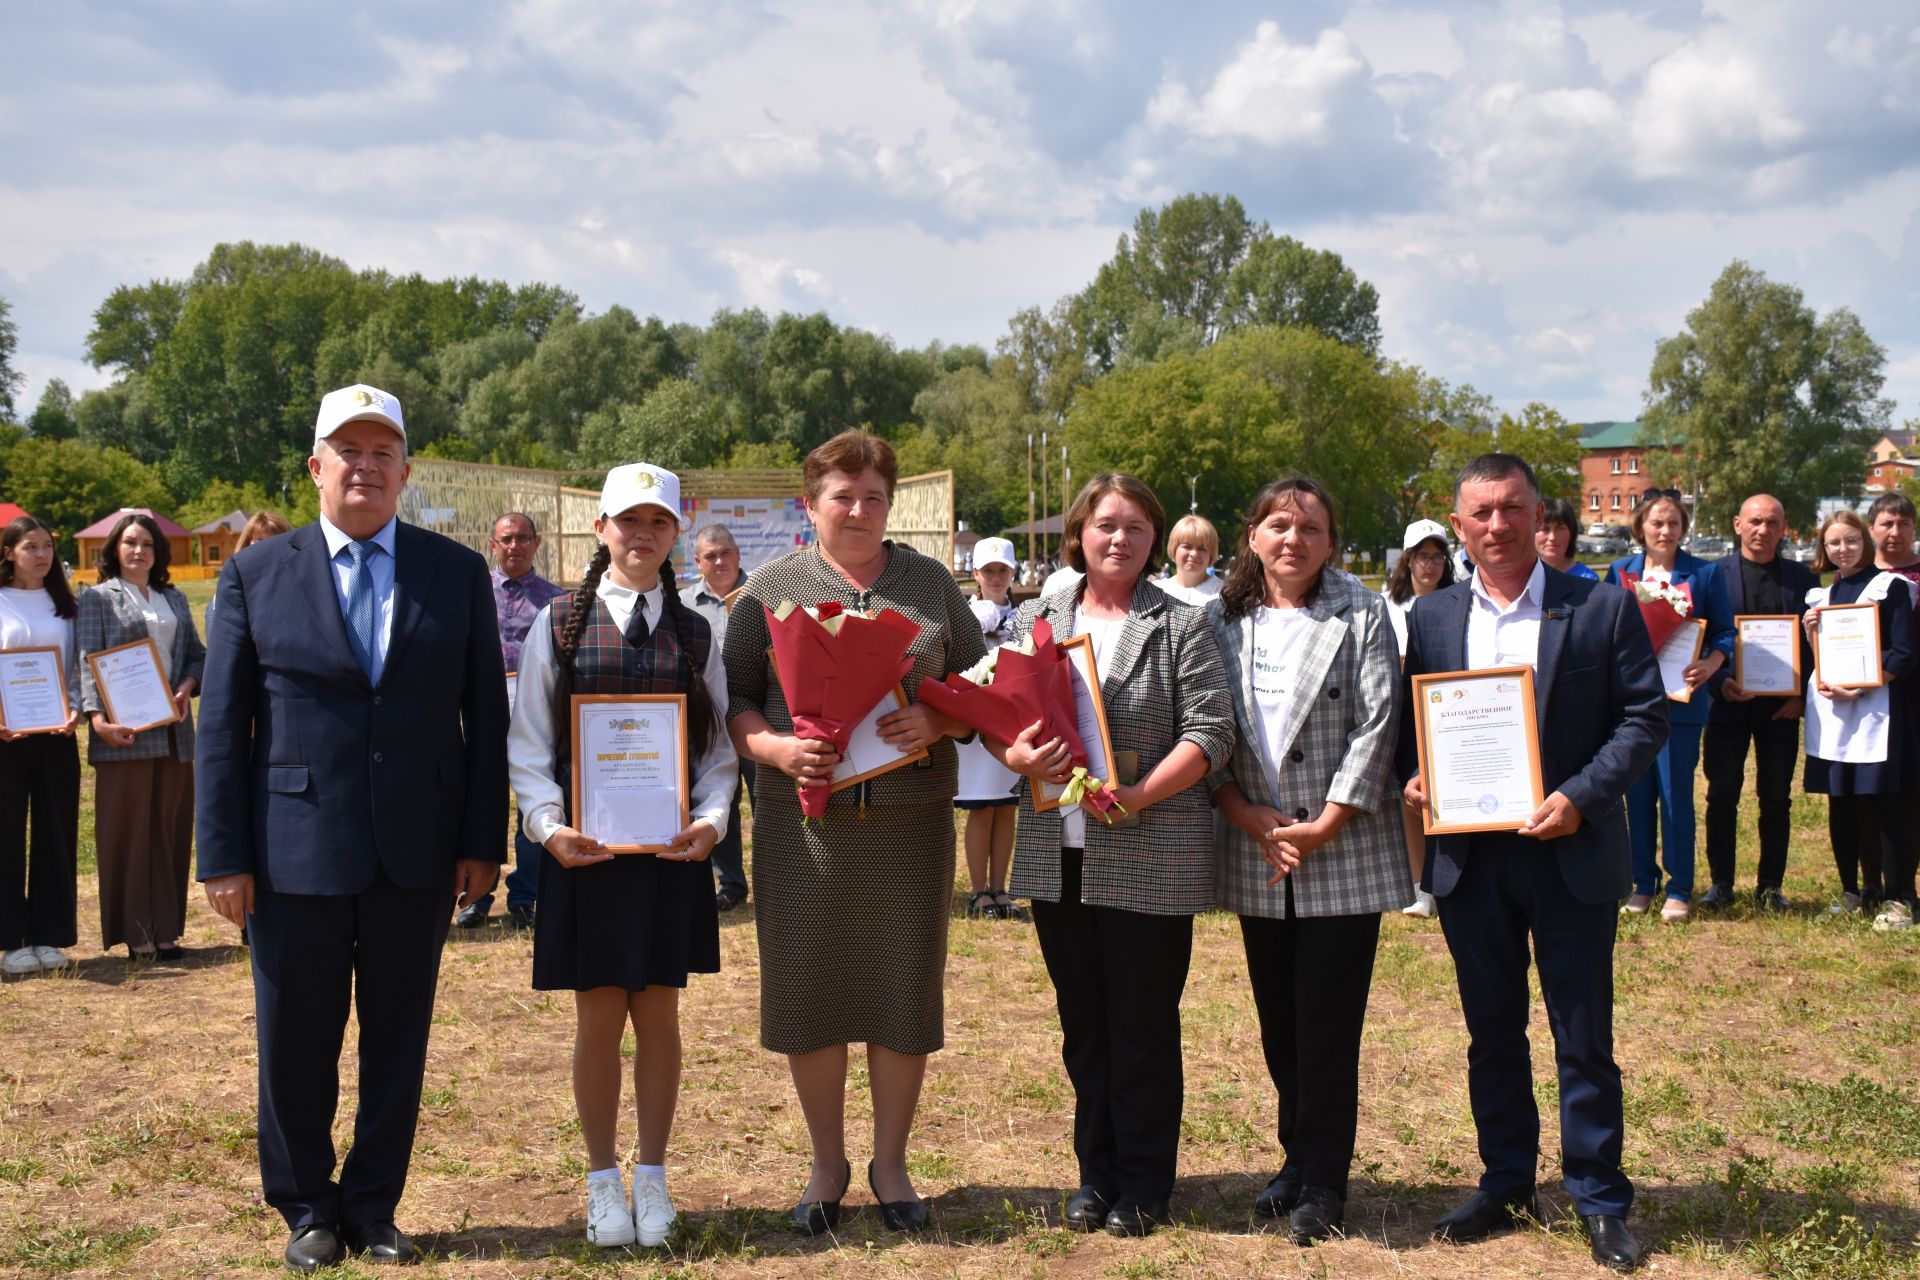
(132, 323)
(1762, 396)
(10, 378)
(52, 418)
(70, 485)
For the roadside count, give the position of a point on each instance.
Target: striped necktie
(360, 605)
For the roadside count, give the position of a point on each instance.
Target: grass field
(1772, 1076)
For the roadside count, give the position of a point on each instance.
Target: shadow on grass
(112, 970)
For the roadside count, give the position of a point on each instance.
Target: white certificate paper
(1479, 749)
(1766, 654)
(630, 770)
(1681, 651)
(1846, 646)
(1090, 717)
(33, 690)
(868, 755)
(132, 687)
(513, 690)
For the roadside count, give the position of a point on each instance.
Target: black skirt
(633, 922)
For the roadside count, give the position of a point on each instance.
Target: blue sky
(1539, 191)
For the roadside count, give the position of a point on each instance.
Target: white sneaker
(20, 963)
(1637, 905)
(1423, 905)
(1896, 915)
(609, 1219)
(1848, 905)
(653, 1211)
(52, 959)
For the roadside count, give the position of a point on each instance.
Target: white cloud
(1274, 92)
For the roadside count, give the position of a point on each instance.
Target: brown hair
(1109, 482)
(1400, 581)
(56, 584)
(260, 526)
(1246, 586)
(162, 549)
(1638, 521)
(1852, 518)
(1898, 503)
(849, 453)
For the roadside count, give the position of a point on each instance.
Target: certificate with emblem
(132, 685)
(1766, 654)
(630, 789)
(1090, 716)
(1479, 749)
(1846, 647)
(33, 691)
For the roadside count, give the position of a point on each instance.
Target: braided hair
(701, 718)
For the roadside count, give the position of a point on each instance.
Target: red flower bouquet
(1663, 605)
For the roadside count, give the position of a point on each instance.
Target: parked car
(1711, 548)
(1600, 546)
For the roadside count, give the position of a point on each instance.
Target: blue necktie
(360, 605)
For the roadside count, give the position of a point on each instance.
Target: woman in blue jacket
(1660, 525)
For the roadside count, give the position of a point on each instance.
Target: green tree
(220, 498)
(676, 427)
(1281, 282)
(10, 378)
(52, 418)
(70, 485)
(130, 326)
(975, 423)
(1049, 362)
(122, 416)
(1760, 395)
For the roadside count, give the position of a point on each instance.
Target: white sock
(604, 1175)
(655, 1171)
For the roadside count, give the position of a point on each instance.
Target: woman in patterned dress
(852, 914)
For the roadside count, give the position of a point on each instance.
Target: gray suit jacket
(1341, 733)
(1165, 685)
(110, 615)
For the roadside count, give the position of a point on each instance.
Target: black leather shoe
(1319, 1214)
(380, 1242)
(1613, 1245)
(1770, 900)
(312, 1248)
(1717, 896)
(1280, 1196)
(1132, 1216)
(899, 1215)
(171, 955)
(728, 899)
(818, 1216)
(472, 916)
(520, 917)
(1482, 1215)
(1087, 1210)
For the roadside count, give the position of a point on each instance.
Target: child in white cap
(988, 788)
(622, 932)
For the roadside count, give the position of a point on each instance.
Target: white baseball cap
(993, 551)
(358, 403)
(638, 484)
(1420, 530)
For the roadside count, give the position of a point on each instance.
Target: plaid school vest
(606, 663)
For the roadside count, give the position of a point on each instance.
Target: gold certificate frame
(866, 733)
(617, 707)
(1669, 655)
(1789, 623)
(1870, 616)
(108, 665)
(1102, 762)
(1508, 693)
(24, 665)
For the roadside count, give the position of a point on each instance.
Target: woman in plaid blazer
(143, 782)
(1114, 906)
(1310, 851)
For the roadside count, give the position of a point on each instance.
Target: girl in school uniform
(39, 772)
(986, 785)
(623, 932)
(1860, 748)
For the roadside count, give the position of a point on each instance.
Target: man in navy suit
(1759, 580)
(352, 789)
(1602, 719)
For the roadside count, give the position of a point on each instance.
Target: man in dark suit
(1602, 718)
(1759, 580)
(352, 789)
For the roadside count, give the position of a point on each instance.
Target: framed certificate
(33, 691)
(132, 686)
(630, 789)
(1846, 647)
(1681, 651)
(1766, 654)
(513, 690)
(1090, 715)
(1479, 749)
(868, 755)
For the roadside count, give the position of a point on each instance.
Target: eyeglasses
(1649, 495)
(518, 539)
(1429, 557)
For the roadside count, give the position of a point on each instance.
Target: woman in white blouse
(39, 772)
(1193, 544)
(1424, 568)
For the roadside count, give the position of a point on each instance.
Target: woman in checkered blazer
(1114, 905)
(1310, 850)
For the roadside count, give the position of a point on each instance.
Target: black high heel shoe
(899, 1215)
(818, 1216)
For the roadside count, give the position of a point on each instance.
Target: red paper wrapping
(832, 679)
(1026, 687)
(1662, 618)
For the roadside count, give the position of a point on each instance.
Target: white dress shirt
(382, 569)
(1509, 636)
(531, 739)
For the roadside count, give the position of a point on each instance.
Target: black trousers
(1117, 978)
(313, 955)
(1776, 747)
(1310, 980)
(1866, 837)
(1903, 867)
(39, 776)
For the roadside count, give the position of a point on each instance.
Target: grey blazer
(1165, 685)
(1341, 733)
(111, 615)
